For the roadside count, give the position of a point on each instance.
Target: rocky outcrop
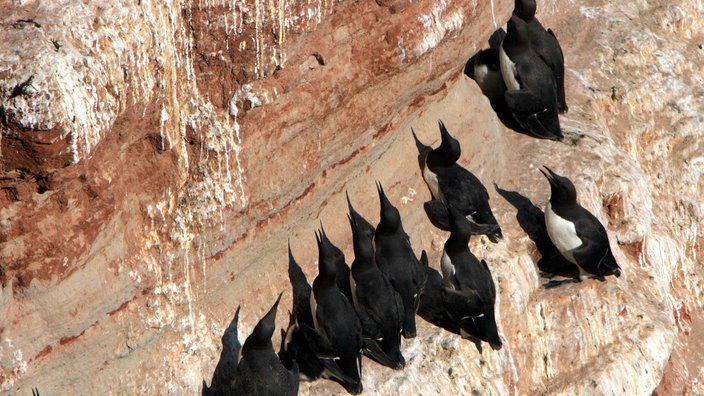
(155, 158)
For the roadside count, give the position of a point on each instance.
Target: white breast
(562, 233)
(353, 287)
(431, 179)
(448, 269)
(289, 334)
(508, 70)
(313, 307)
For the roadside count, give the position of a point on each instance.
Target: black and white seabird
(378, 305)
(577, 234)
(395, 257)
(485, 69)
(545, 44)
(260, 371)
(338, 332)
(468, 291)
(226, 369)
(451, 184)
(531, 87)
(338, 257)
(294, 345)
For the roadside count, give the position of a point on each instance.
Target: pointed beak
(443, 130)
(236, 319)
(349, 202)
(323, 235)
(382, 195)
(423, 150)
(276, 304)
(267, 324)
(352, 215)
(319, 239)
(419, 144)
(290, 252)
(353, 224)
(550, 175)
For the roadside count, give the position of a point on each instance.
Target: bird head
(390, 218)
(261, 335)
(525, 9)
(562, 189)
(449, 146)
(328, 255)
(516, 33)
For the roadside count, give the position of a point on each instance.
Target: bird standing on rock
(378, 305)
(451, 184)
(338, 258)
(545, 44)
(531, 87)
(260, 371)
(337, 338)
(395, 257)
(485, 69)
(577, 234)
(468, 291)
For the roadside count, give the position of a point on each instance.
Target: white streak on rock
(437, 25)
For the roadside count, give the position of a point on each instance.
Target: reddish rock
(675, 378)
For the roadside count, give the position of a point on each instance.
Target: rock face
(156, 156)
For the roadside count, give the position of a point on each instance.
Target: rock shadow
(226, 369)
(532, 220)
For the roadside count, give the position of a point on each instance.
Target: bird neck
(516, 35)
(562, 199)
(389, 224)
(442, 156)
(363, 248)
(457, 242)
(327, 271)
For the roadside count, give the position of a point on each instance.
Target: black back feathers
(578, 234)
(378, 305)
(468, 291)
(545, 44)
(531, 88)
(451, 184)
(397, 261)
(260, 371)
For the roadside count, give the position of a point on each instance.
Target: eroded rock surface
(156, 157)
